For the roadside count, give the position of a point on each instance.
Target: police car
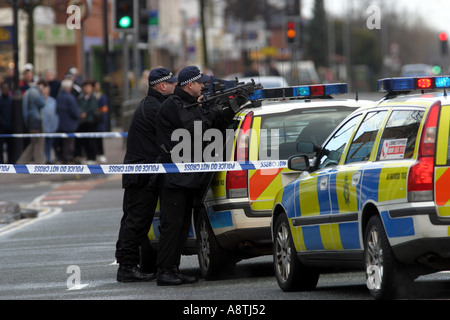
(235, 221)
(375, 196)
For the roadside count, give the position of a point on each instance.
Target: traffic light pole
(17, 121)
(136, 62)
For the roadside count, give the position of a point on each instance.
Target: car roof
(267, 81)
(415, 99)
(280, 106)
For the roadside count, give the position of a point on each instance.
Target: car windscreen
(282, 131)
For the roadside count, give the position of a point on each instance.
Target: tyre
(387, 278)
(212, 259)
(290, 273)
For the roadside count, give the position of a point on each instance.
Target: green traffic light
(436, 70)
(125, 22)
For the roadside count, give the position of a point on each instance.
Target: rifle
(220, 95)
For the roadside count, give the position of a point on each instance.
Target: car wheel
(290, 273)
(211, 257)
(387, 278)
(147, 257)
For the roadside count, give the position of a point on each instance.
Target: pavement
(11, 211)
(114, 151)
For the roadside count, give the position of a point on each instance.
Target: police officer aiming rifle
(181, 191)
(141, 190)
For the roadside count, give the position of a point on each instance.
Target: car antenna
(357, 96)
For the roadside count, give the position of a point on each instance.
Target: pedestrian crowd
(50, 105)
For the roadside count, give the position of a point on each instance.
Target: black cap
(159, 75)
(191, 74)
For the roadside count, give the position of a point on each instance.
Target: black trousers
(139, 204)
(176, 211)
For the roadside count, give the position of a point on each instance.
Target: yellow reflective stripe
(393, 181)
(444, 211)
(265, 200)
(218, 184)
(309, 201)
(254, 139)
(336, 235)
(408, 103)
(325, 234)
(297, 237)
(442, 197)
(443, 136)
(346, 192)
(151, 233)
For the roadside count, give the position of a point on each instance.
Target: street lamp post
(17, 121)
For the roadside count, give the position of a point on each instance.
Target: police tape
(67, 135)
(150, 168)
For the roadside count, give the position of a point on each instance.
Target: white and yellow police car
(235, 221)
(375, 196)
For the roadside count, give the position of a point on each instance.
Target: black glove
(216, 110)
(242, 96)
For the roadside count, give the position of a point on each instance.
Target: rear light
(420, 179)
(237, 181)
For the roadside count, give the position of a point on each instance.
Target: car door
(442, 171)
(345, 186)
(314, 201)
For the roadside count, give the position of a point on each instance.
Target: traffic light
(144, 20)
(290, 32)
(443, 39)
(124, 15)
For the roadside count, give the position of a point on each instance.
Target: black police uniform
(180, 191)
(141, 190)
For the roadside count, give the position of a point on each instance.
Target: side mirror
(306, 147)
(298, 163)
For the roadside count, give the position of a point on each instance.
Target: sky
(436, 13)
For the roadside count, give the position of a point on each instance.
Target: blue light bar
(409, 84)
(313, 91)
(442, 82)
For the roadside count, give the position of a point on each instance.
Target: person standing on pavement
(32, 105)
(50, 120)
(5, 121)
(141, 190)
(102, 124)
(181, 191)
(87, 104)
(67, 110)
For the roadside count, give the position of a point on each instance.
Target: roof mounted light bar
(416, 83)
(313, 91)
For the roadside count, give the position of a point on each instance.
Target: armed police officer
(181, 191)
(141, 190)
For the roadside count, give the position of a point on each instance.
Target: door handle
(355, 178)
(323, 183)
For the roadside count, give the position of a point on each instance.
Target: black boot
(184, 277)
(165, 277)
(129, 273)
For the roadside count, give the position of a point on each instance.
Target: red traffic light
(290, 32)
(443, 36)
